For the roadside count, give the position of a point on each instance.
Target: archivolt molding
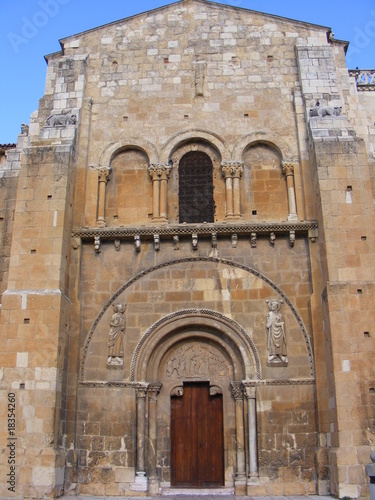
(226, 262)
(264, 137)
(180, 138)
(187, 319)
(129, 143)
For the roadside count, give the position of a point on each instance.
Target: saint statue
(116, 333)
(276, 339)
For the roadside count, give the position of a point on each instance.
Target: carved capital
(237, 390)
(159, 171)
(104, 174)
(288, 168)
(141, 392)
(249, 392)
(232, 168)
(153, 390)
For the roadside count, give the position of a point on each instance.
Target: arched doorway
(199, 361)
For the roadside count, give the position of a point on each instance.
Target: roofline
(214, 3)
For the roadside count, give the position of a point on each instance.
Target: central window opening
(196, 191)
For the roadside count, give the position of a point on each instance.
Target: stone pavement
(200, 497)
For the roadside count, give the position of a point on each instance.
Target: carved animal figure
(62, 120)
(326, 111)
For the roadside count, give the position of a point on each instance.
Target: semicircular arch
(276, 142)
(199, 324)
(199, 135)
(226, 262)
(114, 148)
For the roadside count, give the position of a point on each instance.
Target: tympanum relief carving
(195, 360)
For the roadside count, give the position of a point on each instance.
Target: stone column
(153, 485)
(232, 171)
(253, 447)
(159, 173)
(240, 479)
(288, 171)
(140, 479)
(103, 177)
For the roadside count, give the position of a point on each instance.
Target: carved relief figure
(62, 120)
(276, 338)
(193, 360)
(325, 110)
(116, 333)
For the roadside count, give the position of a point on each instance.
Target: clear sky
(32, 28)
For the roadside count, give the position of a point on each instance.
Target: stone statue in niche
(276, 338)
(116, 334)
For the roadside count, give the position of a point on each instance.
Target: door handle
(200, 444)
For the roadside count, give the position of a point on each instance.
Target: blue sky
(32, 29)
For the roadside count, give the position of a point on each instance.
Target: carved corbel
(178, 391)
(253, 240)
(215, 390)
(117, 244)
(156, 242)
(137, 243)
(214, 240)
(292, 238)
(176, 242)
(194, 241)
(234, 240)
(97, 244)
(313, 235)
(273, 238)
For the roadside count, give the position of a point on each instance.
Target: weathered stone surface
(90, 218)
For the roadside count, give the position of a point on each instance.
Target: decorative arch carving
(264, 137)
(226, 262)
(114, 148)
(199, 135)
(196, 324)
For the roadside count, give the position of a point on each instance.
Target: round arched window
(196, 192)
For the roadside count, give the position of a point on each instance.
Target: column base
(233, 217)
(101, 223)
(140, 482)
(159, 220)
(293, 217)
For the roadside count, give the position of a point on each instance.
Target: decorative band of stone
(290, 381)
(156, 387)
(188, 229)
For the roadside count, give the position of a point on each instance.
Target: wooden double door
(197, 442)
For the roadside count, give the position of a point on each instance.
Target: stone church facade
(187, 272)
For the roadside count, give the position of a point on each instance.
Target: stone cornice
(242, 228)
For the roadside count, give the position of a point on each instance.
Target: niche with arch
(264, 191)
(129, 190)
